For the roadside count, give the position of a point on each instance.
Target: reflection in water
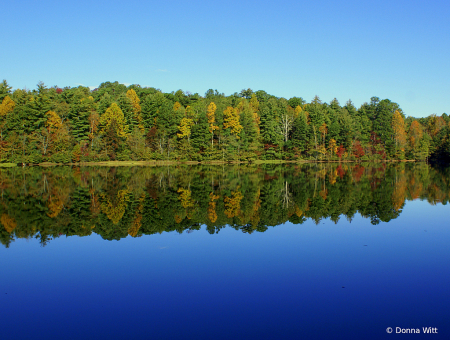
(117, 202)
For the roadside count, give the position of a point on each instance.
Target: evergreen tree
(300, 132)
(5, 90)
(127, 108)
(270, 129)
(200, 134)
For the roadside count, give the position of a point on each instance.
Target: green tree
(414, 136)
(5, 90)
(300, 132)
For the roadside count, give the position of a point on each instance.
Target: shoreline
(175, 163)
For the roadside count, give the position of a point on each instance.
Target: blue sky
(349, 49)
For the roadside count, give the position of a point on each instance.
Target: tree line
(134, 201)
(116, 122)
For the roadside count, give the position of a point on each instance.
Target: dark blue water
(349, 280)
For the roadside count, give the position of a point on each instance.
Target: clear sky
(345, 49)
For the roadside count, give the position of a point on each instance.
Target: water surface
(244, 252)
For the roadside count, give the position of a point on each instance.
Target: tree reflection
(117, 202)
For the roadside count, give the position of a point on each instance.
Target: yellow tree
(6, 107)
(137, 222)
(231, 120)
(8, 222)
(115, 208)
(233, 203)
(176, 106)
(399, 194)
(211, 115)
(114, 113)
(398, 127)
(53, 122)
(56, 136)
(185, 198)
(212, 215)
(55, 205)
(332, 146)
(131, 94)
(185, 128)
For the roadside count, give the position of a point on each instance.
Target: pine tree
(270, 129)
(103, 104)
(81, 107)
(41, 105)
(200, 133)
(127, 108)
(300, 133)
(5, 90)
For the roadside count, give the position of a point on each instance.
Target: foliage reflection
(117, 202)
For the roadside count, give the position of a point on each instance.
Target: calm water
(237, 252)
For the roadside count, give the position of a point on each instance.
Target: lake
(275, 251)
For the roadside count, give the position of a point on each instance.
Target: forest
(47, 203)
(134, 123)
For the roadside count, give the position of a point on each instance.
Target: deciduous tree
(231, 121)
(398, 128)
(211, 115)
(114, 113)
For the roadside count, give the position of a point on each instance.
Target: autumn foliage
(134, 123)
(340, 151)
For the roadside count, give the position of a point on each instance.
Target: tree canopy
(114, 121)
